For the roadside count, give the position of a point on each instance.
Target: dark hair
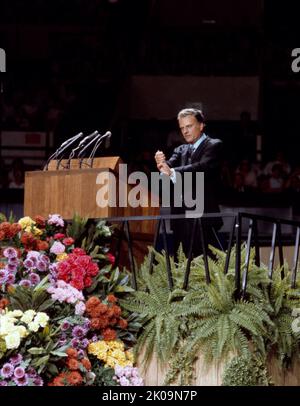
(192, 112)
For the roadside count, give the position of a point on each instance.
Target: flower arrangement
(60, 319)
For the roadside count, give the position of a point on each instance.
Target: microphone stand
(62, 148)
(92, 154)
(61, 158)
(79, 146)
(81, 153)
(99, 142)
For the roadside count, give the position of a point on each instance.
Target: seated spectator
(276, 180)
(18, 181)
(263, 183)
(279, 159)
(238, 182)
(249, 176)
(293, 182)
(16, 174)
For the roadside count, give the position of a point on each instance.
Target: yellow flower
(116, 345)
(129, 355)
(61, 257)
(118, 355)
(26, 222)
(36, 231)
(99, 349)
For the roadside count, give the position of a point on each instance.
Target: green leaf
(58, 353)
(36, 351)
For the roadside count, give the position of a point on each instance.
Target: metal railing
(235, 236)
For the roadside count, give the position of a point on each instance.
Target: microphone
(79, 146)
(98, 140)
(62, 148)
(66, 147)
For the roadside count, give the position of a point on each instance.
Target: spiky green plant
(178, 324)
(283, 300)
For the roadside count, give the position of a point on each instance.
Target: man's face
(190, 128)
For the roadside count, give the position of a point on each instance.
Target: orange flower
(86, 363)
(123, 323)
(72, 353)
(112, 298)
(113, 321)
(117, 310)
(3, 303)
(60, 380)
(109, 334)
(95, 323)
(42, 245)
(72, 364)
(74, 378)
(102, 308)
(110, 312)
(2, 235)
(94, 312)
(91, 303)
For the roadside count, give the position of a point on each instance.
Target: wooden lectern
(74, 190)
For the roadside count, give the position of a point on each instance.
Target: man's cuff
(173, 175)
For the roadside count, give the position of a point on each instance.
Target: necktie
(189, 154)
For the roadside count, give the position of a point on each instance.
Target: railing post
(130, 255)
(238, 255)
(169, 272)
(188, 265)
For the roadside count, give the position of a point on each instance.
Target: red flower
(40, 221)
(42, 245)
(79, 251)
(111, 258)
(68, 241)
(59, 236)
(78, 269)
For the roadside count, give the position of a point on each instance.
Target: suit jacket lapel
(198, 151)
(185, 155)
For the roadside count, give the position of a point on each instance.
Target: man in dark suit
(200, 154)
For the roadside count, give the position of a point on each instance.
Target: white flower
(33, 326)
(22, 331)
(6, 326)
(12, 340)
(41, 319)
(15, 313)
(28, 316)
